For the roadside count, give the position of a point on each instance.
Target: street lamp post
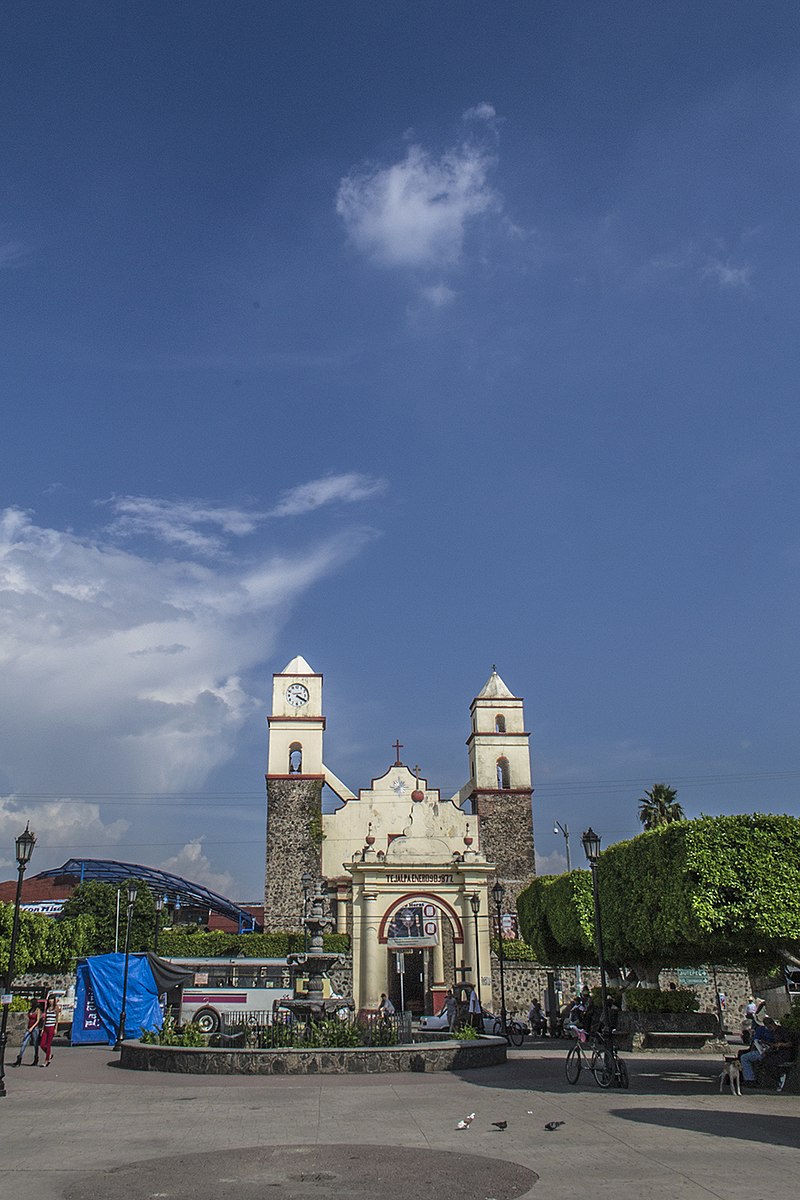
(475, 905)
(307, 881)
(24, 849)
(591, 848)
(564, 831)
(131, 901)
(498, 891)
(159, 903)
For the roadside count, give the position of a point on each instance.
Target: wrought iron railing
(270, 1031)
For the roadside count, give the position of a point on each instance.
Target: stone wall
(365, 1060)
(525, 980)
(505, 826)
(294, 807)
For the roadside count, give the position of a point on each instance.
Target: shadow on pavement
(745, 1126)
(534, 1072)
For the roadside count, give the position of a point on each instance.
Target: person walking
(450, 1009)
(32, 1034)
(50, 1019)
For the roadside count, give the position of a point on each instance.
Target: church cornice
(298, 720)
(492, 733)
(294, 776)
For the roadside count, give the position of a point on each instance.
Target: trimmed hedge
(719, 889)
(651, 1000)
(191, 942)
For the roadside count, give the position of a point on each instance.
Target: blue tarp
(98, 998)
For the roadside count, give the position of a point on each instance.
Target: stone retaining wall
(364, 1060)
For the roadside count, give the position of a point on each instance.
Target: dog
(731, 1074)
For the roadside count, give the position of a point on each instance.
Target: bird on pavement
(467, 1121)
(551, 1125)
(501, 1125)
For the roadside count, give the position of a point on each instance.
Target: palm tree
(658, 807)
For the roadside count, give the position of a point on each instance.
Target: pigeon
(465, 1124)
(501, 1125)
(551, 1125)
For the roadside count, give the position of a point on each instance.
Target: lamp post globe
(159, 906)
(23, 850)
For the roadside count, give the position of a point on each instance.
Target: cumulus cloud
(480, 112)
(192, 863)
(551, 864)
(128, 671)
(64, 827)
(415, 213)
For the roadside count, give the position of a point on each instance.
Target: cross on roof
(398, 746)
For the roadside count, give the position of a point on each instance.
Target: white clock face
(297, 695)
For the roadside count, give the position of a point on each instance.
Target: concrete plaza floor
(83, 1128)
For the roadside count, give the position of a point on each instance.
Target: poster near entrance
(414, 926)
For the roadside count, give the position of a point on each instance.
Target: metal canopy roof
(181, 893)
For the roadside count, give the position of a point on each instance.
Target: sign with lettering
(426, 877)
(689, 977)
(413, 926)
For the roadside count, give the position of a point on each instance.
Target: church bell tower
(500, 786)
(295, 778)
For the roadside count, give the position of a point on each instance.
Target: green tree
(717, 889)
(99, 901)
(658, 807)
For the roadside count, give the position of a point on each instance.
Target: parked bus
(225, 987)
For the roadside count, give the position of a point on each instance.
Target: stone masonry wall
(505, 826)
(294, 809)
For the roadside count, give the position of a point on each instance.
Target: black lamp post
(591, 848)
(307, 882)
(475, 905)
(498, 891)
(131, 901)
(159, 903)
(564, 831)
(24, 848)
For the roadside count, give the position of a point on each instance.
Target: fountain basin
(357, 1060)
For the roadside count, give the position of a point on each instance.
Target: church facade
(409, 872)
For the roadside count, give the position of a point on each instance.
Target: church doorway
(410, 988)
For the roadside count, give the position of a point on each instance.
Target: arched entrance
(421, 933)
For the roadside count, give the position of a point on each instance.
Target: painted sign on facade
(413, 926)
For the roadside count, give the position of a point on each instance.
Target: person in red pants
(52, 1015)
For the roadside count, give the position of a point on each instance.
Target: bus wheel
(206, 1020)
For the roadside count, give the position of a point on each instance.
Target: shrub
(172, 1034)
(467, 1033)
(190, 942)
(651, 1000)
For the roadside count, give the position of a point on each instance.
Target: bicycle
(514, 1031)
(605, 1064)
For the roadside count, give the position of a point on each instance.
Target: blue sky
(411, 338)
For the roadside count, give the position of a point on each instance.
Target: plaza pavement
(83, 1129)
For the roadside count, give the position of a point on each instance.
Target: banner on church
(414, 926)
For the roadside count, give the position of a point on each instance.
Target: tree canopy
(658, 807)
(723, 889)
(99, 902)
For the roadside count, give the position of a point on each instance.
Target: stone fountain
(313, 1006)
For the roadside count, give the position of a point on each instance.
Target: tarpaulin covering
(98, 998)
(167, 975)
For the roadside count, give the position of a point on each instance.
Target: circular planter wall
(361, 1060)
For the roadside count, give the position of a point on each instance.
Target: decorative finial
(417, 795)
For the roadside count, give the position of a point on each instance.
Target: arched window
(295, 759)
(499, 724)
(503, 773)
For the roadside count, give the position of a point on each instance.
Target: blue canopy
(98, 998)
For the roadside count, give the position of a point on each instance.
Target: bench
(676, 1040)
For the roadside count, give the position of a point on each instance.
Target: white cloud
(551, 864)
(64, 828)
(332, 489)
(480, 112)
(726, 274)
(191, 863)
(439, 295)
(178, 522)
(415, 213)
(125, 673)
